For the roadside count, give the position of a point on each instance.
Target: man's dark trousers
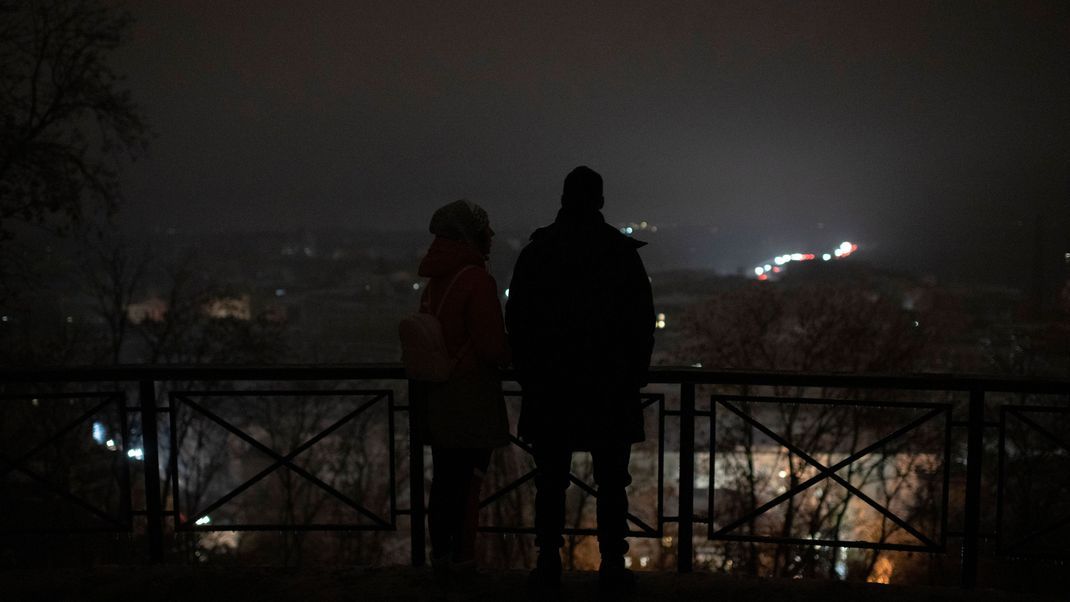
(612, 478)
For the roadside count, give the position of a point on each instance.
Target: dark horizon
(1008, 259)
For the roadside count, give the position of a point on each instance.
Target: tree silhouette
(65, 120)
(862, 327)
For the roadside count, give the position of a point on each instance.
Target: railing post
(151, 457)
(974, 454)
(684, 548)
(416, 472)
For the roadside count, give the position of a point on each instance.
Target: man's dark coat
(580, 317)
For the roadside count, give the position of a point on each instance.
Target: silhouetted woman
(466, 415)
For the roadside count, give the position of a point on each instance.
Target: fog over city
(933, 134)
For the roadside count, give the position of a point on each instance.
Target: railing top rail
(917, 382)
(661, 374)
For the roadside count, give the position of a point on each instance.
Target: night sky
(891, 120)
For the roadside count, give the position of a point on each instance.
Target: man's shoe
(543, 586)
(545, 579)
(441, 569)
(464, 578)
(615, 582)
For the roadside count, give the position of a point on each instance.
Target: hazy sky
(762, 116)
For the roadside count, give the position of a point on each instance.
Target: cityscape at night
(552, 301)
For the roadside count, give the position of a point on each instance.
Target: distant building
(229, 307)
(152, 309)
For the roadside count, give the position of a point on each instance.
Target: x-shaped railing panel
(644, 528)
(122, 521)
(287, 460)
(1017, 547)
(830, 472)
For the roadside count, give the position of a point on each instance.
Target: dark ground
(137, 584)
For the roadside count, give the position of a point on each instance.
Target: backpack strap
(453, 281)
(467, 343)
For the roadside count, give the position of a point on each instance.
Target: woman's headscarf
(460, 220)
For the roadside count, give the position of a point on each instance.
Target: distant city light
(762, 272)
(204, 520)
(99, 433)
(841, 564)
(660, 323)
(628, 230)
(136, 454)
(782, 474)
(415, 286)
(110, 444)
(506, 293)
(846, 248)
(280, 292)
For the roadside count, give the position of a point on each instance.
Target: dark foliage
(65, 119)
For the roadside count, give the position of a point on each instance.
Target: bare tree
(810, 328)
(65, 120)
(187, 333)
(114, 273)
(351, 460)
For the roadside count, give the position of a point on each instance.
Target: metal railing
(682, 384)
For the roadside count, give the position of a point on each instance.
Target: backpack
(423, 346)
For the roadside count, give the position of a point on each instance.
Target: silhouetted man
(580, 317)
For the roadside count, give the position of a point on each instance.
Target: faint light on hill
(780, 262)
